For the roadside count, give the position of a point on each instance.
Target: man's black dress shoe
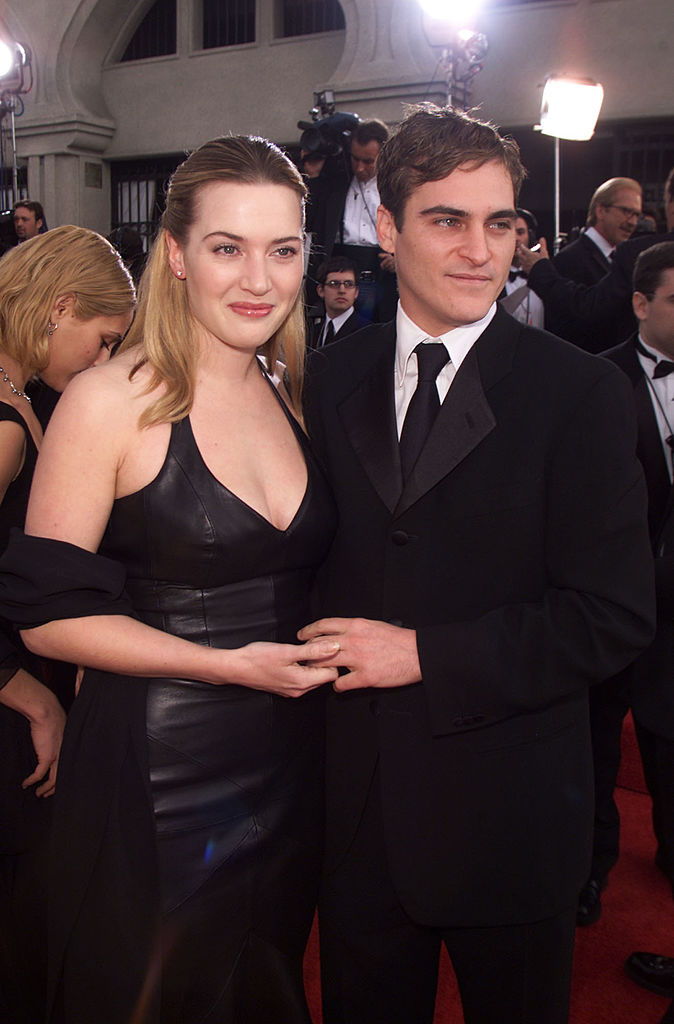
(653, 972)
(589, 903)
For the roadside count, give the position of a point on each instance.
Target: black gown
(189, 816)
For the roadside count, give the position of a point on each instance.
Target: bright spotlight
(570, 107)
(457, 13)
(6, 58)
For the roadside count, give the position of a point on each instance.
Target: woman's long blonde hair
(65, 261)
(163, 330)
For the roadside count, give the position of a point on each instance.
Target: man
(347, 223)
(647, 359)
(519, 300)
(607, 305)
(338, 288)
(496, 555)
(28, 218)
(612, 216)
(610, 701)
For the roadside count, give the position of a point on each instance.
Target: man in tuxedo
(492, 546)
(605, 306)
(648, 360)
(338, 288)
(517, 298)
(345, 223)
(612, 216)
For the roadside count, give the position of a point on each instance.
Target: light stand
(463, 49)
(16, 77)
(569, 110)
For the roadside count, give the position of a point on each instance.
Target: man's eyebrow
(452, 211)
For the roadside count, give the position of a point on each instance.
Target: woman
(65, 298)
(188, 811)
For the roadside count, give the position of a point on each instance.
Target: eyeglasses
(340, 284)
(626, 211)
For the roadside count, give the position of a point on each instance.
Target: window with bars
(156, 35)
(138, 190)
(228, 22)
(305, 17)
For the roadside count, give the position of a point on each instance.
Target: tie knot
(430, 360)
(663, 369)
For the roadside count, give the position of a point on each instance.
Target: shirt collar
(604, 247)
(647, 364)
(339, 321)
(458, 341)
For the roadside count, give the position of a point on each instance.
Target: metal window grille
(156, 34)
(138, 193)
(305, 17)
(228, 22)
(646, 153)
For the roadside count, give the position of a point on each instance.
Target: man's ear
(320, 291)
(640, 305)
(386, 230)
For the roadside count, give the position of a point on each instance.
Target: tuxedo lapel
(368, 417)
(465, 417)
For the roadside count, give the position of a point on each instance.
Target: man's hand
(375, 653)
(527, 257)
(388, 261)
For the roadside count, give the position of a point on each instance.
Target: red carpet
(638, 914)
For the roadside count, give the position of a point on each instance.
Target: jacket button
(400, 538)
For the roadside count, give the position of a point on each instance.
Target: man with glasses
(612, 216)
(338, 288)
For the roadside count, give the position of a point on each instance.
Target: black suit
(354, 323)
(605, 307)
(518, 551)
(652, 675)
(583, 262)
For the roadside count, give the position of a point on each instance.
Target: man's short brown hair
(373, 130)
(606, 193)
(430, 144)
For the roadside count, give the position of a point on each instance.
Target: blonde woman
(65, 298)
(189, 800)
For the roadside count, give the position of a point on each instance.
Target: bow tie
(513, 275)
(663, 367)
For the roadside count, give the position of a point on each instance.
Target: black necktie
(663, 367)
(329, 333)
(424, 405)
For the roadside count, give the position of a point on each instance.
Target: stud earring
(51, 327)
(180, 273)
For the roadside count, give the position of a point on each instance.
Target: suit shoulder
(560, 361)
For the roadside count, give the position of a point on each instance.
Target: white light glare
(570, 107)
(6, 58)
(459, 13)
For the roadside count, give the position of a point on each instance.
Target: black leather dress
(189, 816)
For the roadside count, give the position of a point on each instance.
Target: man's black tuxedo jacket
(652, 675)
(354, 323)
(606, 306)
(583, 262)
(518, 550)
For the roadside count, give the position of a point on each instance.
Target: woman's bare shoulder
(111, 389)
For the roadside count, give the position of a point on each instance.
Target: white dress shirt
(661, 391)
(337, 322)
(530, 309)
(604, 247)
(359, 224)
(458, 343)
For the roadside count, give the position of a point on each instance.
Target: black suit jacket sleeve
(591, 303)
(597, 610)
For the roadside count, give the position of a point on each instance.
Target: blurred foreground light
(6, 58)
(570, 107)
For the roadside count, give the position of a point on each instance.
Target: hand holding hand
(282, 668)
(376, 653)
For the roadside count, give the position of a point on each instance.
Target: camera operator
(344, 221)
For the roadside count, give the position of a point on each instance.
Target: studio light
(450, 24)
(570, 107)
(569, 110)
(456, 13)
